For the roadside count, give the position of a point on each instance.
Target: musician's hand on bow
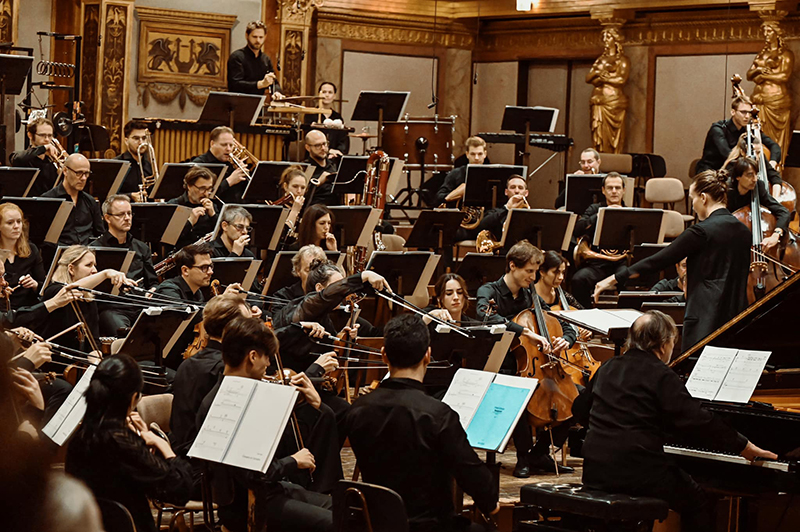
(26, 335)
(39, 354)
(375, 280)
(303, 384)
(559, 344)
(119, 279)
(440, 313)
(609, 283)
(26, 281)
(64, 297)
(208, 205)
(327, 361)
(26, 385)
(540, 340)
(235, 290)
(255, 312)
(330, 242)
(352, 332)
(753, 452)
(313, 329)
(236, 177)
(196, 213)
(770, 242)
(278, 96)
(304, 459)
(774, 164)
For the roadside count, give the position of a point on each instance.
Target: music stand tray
(265, 182)
(582, 190)
(280, 274)
(156, 330)
(14, 72)
(268, 222)
(485, 183)
(46, 216)
(537, 119)
(546, 229)
(388, 104)
(15, 181)
(170, 180)
(435, 229)
(624, 227)
(231, 109)
(407, 272)
(107, 177)
(159, 222)
(229, 270)
(636, 299)
(477, 269)
(353, 226)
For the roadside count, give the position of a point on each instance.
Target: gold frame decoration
(182, 52)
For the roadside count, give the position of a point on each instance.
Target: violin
(200, 340)
(551, 403)
(339, 379)
(581, 365)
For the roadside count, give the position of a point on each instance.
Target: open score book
(724, 374)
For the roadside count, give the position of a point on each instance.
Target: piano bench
(585, 508)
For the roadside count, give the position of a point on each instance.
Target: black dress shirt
(324, 193)
(291, 292)
(177, 288)
(196, 377)
(116, 464)
(666, 285)
(46, 179)
(337, 140)
(414, 444)
(30, 265)
(227, 193)
(718, 251)
(721, 139)
(192, 233)
(736, 201)
(85, 221)
(134, 176)
(65, 317)
(142, 265)
(455, 177)
(220, 251)
(245, 70)
(31, 317)
(631, 404)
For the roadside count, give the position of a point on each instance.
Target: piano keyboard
(720, 457)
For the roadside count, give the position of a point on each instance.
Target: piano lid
(770, 324)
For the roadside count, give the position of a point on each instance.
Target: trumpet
(61, 159)
(147, 181)
(241, 157)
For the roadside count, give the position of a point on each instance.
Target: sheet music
(70, 414)
(603, 320)
(466, 391)
(496, 416)
(223, 418)
(743, 376)
(710, 371)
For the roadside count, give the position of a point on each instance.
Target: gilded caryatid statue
(608, 103)
(770, 71)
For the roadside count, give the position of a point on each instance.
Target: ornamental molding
(394, 30)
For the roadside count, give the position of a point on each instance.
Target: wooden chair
(667, 191)
(362, 507)
(116, 518)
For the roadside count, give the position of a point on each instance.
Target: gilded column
(294, 54)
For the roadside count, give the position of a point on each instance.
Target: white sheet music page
(466, 392)
(602, 320)
(710, 371)
(223, 418)
(743, 375)
(70, 414)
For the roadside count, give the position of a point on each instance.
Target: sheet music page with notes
(743, 376)
(466, 392)
(726, 374)
(710, 371)
(70, 414)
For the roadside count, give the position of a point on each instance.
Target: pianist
(630, 405)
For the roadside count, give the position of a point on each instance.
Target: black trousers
(113, 319)
(523, 439)
(321, 437)
(589, 275)
(298, 509)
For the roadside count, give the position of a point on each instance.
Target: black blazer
(718, 251)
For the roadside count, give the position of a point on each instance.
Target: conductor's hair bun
(316, 263)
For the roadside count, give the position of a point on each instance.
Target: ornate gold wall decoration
(608, 102)
(90, 51)
(116, 22)
(293, 55)
(9, 15)
(167, 92)
(393, 30)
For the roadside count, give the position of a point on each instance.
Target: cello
(580, 364)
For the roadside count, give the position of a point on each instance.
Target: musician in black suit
(199, 185)
(455, 181)
(718, 251)
(517, 194)
(221, 146)
(249, 69)
(135, 135)
(40, 155)
(744, 181)
(339, 140)
(629, 407)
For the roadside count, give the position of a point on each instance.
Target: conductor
(249, 69)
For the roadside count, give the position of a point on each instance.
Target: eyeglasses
(320, 145)
(205, 268)
(748, 112)
(242, 228)
(45, 135)
(84, 173)
(203, 189)
(121, 215)
(138, 139)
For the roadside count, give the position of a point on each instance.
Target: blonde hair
(71, 255)
(23, 247)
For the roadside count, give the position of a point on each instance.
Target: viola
(200, 340)
(339, 379)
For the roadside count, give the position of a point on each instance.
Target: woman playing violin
(23, 264)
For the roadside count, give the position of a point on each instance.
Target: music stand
(170, 180)
(107, 177)
(792, 159)
(229, 270)
(13, 75)
(46, 216)
(119, 259)
(582, 190)
(527, 119)
(268, 223)
(16, 181)
(623, 228)
(544, 228)
(265, 182)
(280, 274)
(636, 299)
(485, 182)
(435, 229)
(374, 106)
(239, 109)
(156, 330)
(159, 222)
(354, 225)
(407, 272)
(477, 269)
(461, 352)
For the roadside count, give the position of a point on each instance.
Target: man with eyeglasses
(85, 222)
(199, 185)
(40, 133)
(135, 134)
(119, 217)
(219, 152)
(234, 235)
(317, 149)
(723, 136)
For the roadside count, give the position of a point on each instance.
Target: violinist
(512, 294)
(452, 300)
(41, 155)
(517, 194)
(414, 444)
(235, 234)
(744, 183)
(315, 228)
(199, 185)
(718, 265)
(23, 264)
(247, 351)
(631, 405)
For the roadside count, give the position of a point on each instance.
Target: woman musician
(23, 264)
(315, 228)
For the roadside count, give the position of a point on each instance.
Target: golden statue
(770, 71)
(608, 103)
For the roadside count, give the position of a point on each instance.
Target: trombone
(241, 157)
(147, 181)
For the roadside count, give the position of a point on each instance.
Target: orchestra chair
(116, 518)
(667, 191)
(362, 507)
(674, 224)
(578, 509)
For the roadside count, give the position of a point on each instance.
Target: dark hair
(651, 331)
(115, 381)
(516, 176)
(133, 125)
(219, 311)
(254, 25)
(332, 84)
(186, 256)
(552, 259)
(219, 130)
(612, 174)
(441, 283)
(195, 173)
(739, 100)
(319, 272)
(307, 231)
(405, 340)
(741, 165)
(521, 253)
(714, 183)
(33, 126)
(243, 335)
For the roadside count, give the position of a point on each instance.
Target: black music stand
(485, 183)
(238, 109)
(265, 182)
(353, 225)
(792, 159)
(155, 331)
(645, 281)
(267, 225)
(229, 270)
(582, 190)
(624, 227)
(435, 229)
(170, 180)
(544, 228)
(527, 119)
(280, 274)
(352, 172)
(46, 216)
(119, 259)
(636, 299)
(107, 177)
(159, 222)
(461, 352)
(407, 272)
(13, 75)
(477, 269)
(16, 181)
(373, 106)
